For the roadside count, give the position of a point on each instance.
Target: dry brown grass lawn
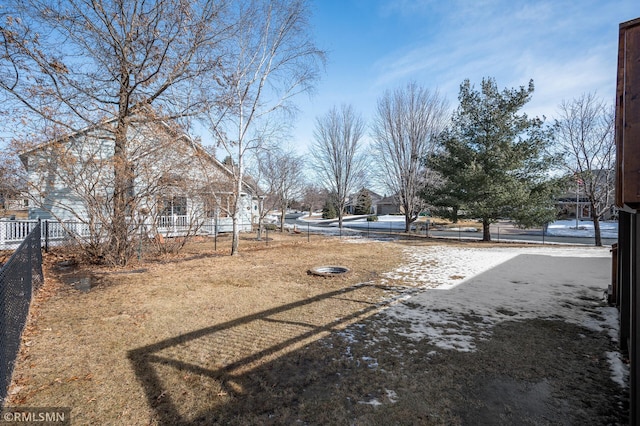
(168, 340)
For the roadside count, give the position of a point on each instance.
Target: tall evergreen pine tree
(494, 160)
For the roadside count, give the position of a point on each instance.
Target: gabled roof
(170, 130)
(105, 125)
(389, 199)
(370, 192)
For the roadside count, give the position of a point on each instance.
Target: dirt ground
(209, 339)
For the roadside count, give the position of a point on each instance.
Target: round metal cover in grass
(328, 271)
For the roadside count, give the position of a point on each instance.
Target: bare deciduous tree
(68, 178)
(337, 152)
(11, 184)
(313, 197)
(404, 132)
(282, 177)
(78, 64)
(585, 137)
(270, 59)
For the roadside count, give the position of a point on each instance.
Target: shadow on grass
(272, 368)
(224, 355)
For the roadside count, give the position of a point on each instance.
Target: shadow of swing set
(271, 333)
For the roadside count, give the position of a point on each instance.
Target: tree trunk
(118, 238)
(236, 216)
(486, 232)
(407, 223)
(119, 244)
(236, 235)
(596, 229)
(282, 217)
(235, 240)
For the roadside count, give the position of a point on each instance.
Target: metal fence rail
(19, 277)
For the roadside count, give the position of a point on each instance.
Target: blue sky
(567, 47)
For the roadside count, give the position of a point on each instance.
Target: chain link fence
(19, 278)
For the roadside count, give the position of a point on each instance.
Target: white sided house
(176, 187)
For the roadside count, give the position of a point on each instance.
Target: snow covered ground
(467, 291)
(395, 223)
(567, 228)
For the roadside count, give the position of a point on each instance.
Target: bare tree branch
(104, 64)
(585, 138)
(282, 176)
(337, 152)
(270, 58)
(407, 123)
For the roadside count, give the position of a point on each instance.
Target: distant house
(174, 183)
(574, 203)
(569, 205)
(352, 201)
(14, 206)
(380, 205)
(388, 205)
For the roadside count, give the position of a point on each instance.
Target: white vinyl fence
(13, 232)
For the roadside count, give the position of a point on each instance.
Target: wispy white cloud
(566, 47)
(564, 80)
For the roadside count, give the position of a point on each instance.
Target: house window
(218, 206)
(174, 206)
(210, 206)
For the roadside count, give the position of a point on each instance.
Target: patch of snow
(619, 370)
(371, 362)
(385, 223)
(456, 315)
(373, 402)
(610, 321)
(395, 223)
(567, 228)
(451, 297)
(445, 267)
(347, 335)
(463, 229)
(271, 218)
(359, 240)
(392, 396)
(443, 329)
